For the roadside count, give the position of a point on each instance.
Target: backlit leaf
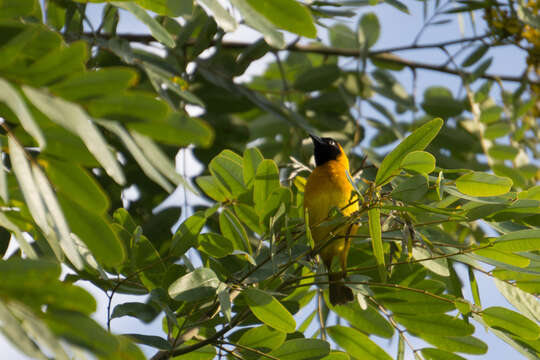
(482, 184)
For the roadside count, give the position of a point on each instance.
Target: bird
(328, 187)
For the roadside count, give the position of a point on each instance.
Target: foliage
(88, 115)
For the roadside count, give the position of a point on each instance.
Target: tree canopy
(446, 179)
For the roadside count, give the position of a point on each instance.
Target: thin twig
(395, 326)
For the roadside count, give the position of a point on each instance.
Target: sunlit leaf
(270, 311)
(419, 161)
(356, 343)
(511, 321)
(199, 284)
(288, 15)
(418, 140)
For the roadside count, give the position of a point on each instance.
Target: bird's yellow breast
(328, 187)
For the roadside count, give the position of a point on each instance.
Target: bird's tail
(339, 292)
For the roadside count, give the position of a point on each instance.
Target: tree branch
(381, 55)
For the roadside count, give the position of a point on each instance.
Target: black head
(325, 149)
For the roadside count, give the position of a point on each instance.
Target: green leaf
(57, 64)
(463, 344)
(94, 230)
(144, 162)
(263, 338)
(369, 320)
(435, 324)
(418, 140)
(34, 283)
(207, 352)
(145, 256)
(14, 8)
(279, 197)
(490, 114)
(225, 20)
(288, 15)
(210, 186)
(186, 235)
(511, 321)
(224, 301)
(62, 233)
(23, 174)
(129, 106)
(266, 181)
(176, 129)
(517, 241)
(524, 302)
(438, 354)
(407, 302)
(160, 160)
(248, 216)
(258, 22)
(497, 130)
(74, 119)
(317, 78)
(419, 161)
(336, 355)
(504, 257)
(438, 266)
(356, 343)
(43, 206)
(251, 161)
(270, 311)
(81, 330)
(299, 349)
(341, 36)
(158, 31)
(503, 152)
(374, 215)
(438, 101)
(74, 181)
(14, 49)
(14, 332)
(161, 77)
(90, 84)
(482, 184)
(226, 167)
(398, 5)
(232, 229)
(25, 247)
(198, 284)
(167, 7)
(215, 245)
(12, 98)
(142, 311)
(369, 30)
(37, 329)
(150, 340)
(411, 189)
(475, 55)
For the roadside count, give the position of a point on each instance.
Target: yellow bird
(328, 187)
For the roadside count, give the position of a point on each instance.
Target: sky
(396, 29)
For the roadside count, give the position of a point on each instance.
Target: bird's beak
(316, 140)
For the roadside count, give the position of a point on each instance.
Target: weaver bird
(328, 187)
